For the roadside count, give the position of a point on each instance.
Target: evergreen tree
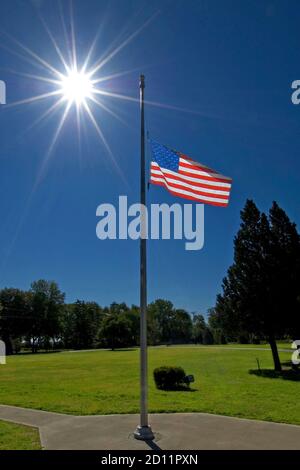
(285, 246)
(261, 289)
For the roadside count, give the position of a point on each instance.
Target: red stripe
(201, 193)
(189, 197)
(197, 166)
(201, 185)
(154, 166)
(203, 177)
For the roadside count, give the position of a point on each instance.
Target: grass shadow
(122, 349)
(38, 353)
(288, 364)
(179, 388)
(286, 374)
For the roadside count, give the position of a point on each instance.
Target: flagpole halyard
(143, 430)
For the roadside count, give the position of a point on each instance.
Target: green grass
(18, 437)
(105, 382)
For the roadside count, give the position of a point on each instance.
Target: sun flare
(76, 87)
(76, 83)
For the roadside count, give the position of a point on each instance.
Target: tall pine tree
(261, 289)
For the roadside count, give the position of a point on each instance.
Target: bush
(169, 378)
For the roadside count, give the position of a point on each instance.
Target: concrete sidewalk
(185, 431)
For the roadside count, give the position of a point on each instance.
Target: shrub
(169, 378)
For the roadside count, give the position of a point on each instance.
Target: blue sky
(228, 64)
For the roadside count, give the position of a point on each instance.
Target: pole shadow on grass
(292, 374)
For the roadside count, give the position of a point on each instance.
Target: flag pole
(143, 430)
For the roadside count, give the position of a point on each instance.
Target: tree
(119, 316)
(46, 301)
(199, 327)
(153, 326)
(182, 326)
(14, 316)
(115, 332)
(167, 324)
(133, 316)
(261, 283)
(208, 337)
(161, 313)
(215, 327)
(117, 309)
(81, 324)
(285, 245)
(201, 332)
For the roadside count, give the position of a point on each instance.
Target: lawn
(18, 437)
(105, 382)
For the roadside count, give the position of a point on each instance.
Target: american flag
(187, 178)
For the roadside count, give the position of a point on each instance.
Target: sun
(76, 83)
(76, 87)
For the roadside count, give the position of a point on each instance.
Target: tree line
(260, 300)
(40, 319)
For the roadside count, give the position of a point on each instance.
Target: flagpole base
(144, 433)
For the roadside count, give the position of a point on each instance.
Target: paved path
(173, 431)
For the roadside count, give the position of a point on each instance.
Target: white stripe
(209, 171)
(156, 173)
(201, 173)
(155, 166)
(192, 162)
(189, 193)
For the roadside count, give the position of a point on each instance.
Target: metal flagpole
(143, 431)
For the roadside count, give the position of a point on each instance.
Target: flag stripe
(199, 199)
(205, 183)
(194, 173)
(207, 176)
(181, 190)
(177, 182)
(197, 166)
